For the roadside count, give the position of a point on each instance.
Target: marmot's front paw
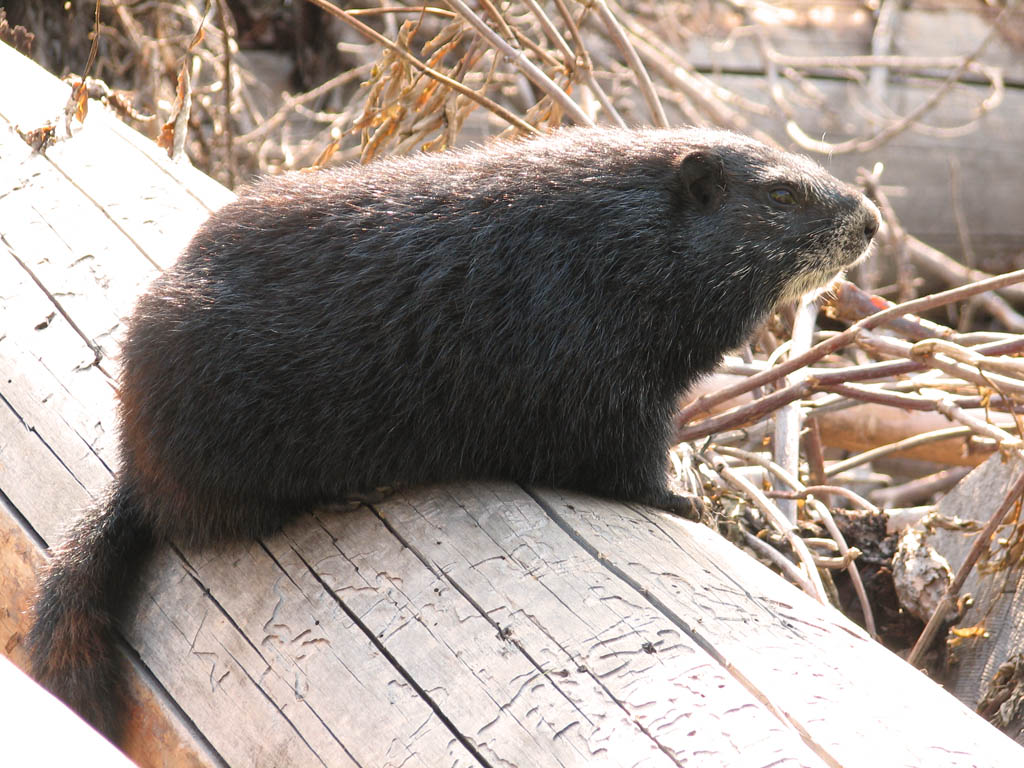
(685, 505)
(373, 496)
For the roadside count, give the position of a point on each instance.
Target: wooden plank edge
(52, 95)
(156, 733)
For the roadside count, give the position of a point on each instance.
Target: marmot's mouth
(862, 256)
(823, 276)
(805, 284)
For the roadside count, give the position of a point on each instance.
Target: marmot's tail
(73, 639)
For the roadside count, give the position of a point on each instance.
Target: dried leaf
(200, 33)
(964, 633)
(166, 138)
(80, 98)
(40, 138)
(325, 157)
(449, 33)
(370, 149)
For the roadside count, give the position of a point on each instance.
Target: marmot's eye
(782, 196)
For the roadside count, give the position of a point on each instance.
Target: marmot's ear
(702, 179)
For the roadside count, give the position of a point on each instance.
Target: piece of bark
(991, 631)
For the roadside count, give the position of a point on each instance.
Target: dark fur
(529, 311)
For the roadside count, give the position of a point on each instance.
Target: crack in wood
(409, 679)
(688, 630)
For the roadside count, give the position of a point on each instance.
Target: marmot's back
(504, 312)
(528, 311)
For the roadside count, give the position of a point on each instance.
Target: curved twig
(825, 514)
(777, 520)
(705, 403)
(518, 58)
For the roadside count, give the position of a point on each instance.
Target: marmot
(529, 311)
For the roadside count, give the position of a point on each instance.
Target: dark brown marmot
(529, 311)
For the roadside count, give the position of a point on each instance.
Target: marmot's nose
(872, 220)
(871, 228)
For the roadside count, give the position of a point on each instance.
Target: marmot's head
(790, 222)
(732, 214)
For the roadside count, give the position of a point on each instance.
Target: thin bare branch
(518, 58)
(825, 515)
(778, 521)
(706, 403)
(618, 36)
